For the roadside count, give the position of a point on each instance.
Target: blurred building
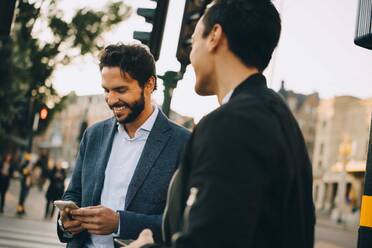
(339, 120)
(62, 137)
(304, 108)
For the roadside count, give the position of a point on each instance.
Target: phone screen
(123, 242)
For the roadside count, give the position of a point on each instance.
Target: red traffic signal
(43, 113)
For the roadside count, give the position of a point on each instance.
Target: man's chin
(121, 119)
(203, 92)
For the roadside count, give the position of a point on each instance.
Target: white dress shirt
(124, 157)
(226, 99)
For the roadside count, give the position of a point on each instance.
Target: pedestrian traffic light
(157, 18)
(193, 10)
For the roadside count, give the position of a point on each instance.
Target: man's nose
(111, 98)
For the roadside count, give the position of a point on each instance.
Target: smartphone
(123, 242)
(65, 204)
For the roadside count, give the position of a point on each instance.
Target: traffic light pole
(170, 79)
(365, 228)
(6, 16)
(31, 119)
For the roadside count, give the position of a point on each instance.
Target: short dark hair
(252, 28)
(134, 59)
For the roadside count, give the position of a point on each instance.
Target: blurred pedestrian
(7, 167)
(42, 167)
(26, 181)
(56, 176)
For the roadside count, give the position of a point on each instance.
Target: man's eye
(121, 90)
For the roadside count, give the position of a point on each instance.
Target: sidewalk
(35, 203)
(325, 221)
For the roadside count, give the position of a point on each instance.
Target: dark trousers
(4, 186)
(49, 209)
(24, 193)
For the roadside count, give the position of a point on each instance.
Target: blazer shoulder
(99, 125)
(179, 130)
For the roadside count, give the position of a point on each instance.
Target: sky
(315, 53)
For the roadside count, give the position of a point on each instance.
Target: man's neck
(229, 74)
(132, 127)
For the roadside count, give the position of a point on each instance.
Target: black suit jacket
(248, 162)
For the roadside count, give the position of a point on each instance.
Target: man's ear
(150, 84)
(215, 38)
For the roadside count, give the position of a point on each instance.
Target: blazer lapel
(104, 149)
(155, 143)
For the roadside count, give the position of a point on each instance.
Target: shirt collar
(147, 125)
(227, 97)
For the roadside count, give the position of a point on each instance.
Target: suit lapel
(155, 143)
(104, 148)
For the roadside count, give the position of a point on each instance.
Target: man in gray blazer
(125, 163)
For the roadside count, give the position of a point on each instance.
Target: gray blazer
(146, 196)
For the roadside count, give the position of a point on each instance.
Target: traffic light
(363, 35)
(193, 10)
(157, 18)
(43, 119)
(43, 113)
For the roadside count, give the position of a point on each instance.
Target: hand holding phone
(61, 205)
(67, 222)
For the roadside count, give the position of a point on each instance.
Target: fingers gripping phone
(61, 205)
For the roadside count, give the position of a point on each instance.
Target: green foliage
(28, 62)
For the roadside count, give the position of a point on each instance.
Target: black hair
(252, 28)
(136, 60)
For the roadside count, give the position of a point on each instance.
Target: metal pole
(170, 79)
(6, 16)
(365, 226)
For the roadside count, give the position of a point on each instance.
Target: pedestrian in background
(56, 176)
(7, 167)
(26, 181)
(42, 165)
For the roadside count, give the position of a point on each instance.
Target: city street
(32, 231)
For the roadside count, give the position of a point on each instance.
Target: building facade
(304, 109)
(339, 156)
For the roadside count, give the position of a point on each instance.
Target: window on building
(321, 149)
(320, 164)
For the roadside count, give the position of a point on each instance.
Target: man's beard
(136, 109)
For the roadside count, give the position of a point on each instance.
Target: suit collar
(253, 82)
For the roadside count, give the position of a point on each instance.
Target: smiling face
(123, 94)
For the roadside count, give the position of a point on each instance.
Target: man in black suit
(246, 178)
